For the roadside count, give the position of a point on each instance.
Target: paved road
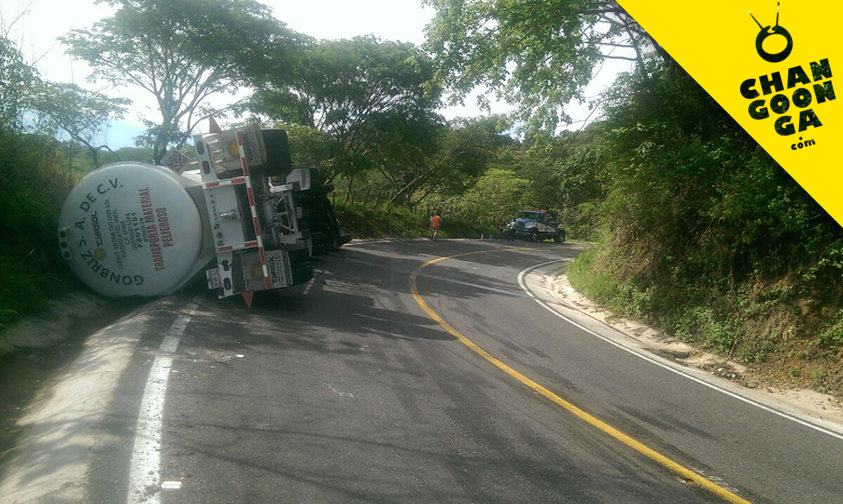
(347, 391)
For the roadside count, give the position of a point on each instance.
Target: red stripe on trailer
(251, 196)
(239, 180)
(266, 282)
(225, 249)
(251, 244)
(212, 184)
(263, 257)
(245, 166)
(257, 226)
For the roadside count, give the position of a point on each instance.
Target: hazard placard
(175, 161)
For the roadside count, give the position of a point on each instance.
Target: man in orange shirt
(435, 223)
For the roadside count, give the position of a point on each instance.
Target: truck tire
(534, 235)
(560, 237)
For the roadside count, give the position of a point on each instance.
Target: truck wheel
(560, 237)
(534, 235)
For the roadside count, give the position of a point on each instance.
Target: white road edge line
(680, 372)
(309, 286)
(145, 469)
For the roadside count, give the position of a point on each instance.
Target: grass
(769, 323)
(600, 285)
(597, 276)
(593, 283)
(832, 336)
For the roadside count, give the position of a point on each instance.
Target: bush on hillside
(703, 232)
(35, 183)
(390, 221)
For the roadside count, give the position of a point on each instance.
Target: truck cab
(536, 225)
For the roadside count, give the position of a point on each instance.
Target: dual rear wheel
(559, 237)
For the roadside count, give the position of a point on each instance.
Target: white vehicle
(135, 229)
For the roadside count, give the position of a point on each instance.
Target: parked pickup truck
(534, 225)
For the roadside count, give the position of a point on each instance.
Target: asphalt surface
(347, 391)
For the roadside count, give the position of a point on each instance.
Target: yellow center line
(641, 448)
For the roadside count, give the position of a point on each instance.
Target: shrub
(34, 186)
(390, 221)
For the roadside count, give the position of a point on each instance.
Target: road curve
(347, 390)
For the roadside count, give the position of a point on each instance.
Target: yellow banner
(770, 65)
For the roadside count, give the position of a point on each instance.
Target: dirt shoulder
(762, 379)
(35, 351)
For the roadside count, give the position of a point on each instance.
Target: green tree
(16, 78)
(462, 152)
(182, 52)
(539, 53)
(410, 173)
(356, 92)
(308, 146)
(497, 194)
(80, 114)
(567, 169)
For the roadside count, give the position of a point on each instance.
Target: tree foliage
(539, 54)
(16, 78)
(701, 226)
(498, 194)
(181, 52)
(80, 114)
(459, 152)
(359, 93)
(308, 146)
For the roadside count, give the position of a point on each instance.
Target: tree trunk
(348, 191)
(368, 193)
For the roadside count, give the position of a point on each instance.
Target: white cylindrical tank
(131, 229)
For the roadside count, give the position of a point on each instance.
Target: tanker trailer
(135, 229)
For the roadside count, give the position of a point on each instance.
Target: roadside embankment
(548, 284)
(62, 319)
(776, 334)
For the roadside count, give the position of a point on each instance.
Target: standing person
(435, 223)
(430, 223)
(512, 227)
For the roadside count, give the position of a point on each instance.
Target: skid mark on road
(686, 473)
(145, 470)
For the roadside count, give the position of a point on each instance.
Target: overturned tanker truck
(241, 216)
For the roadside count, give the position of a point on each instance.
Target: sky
(44, 21)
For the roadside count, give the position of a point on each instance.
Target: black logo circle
(768, 31)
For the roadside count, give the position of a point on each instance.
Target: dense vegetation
(698, 230)
(390, 221)
(701, 232)
(38, 171)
